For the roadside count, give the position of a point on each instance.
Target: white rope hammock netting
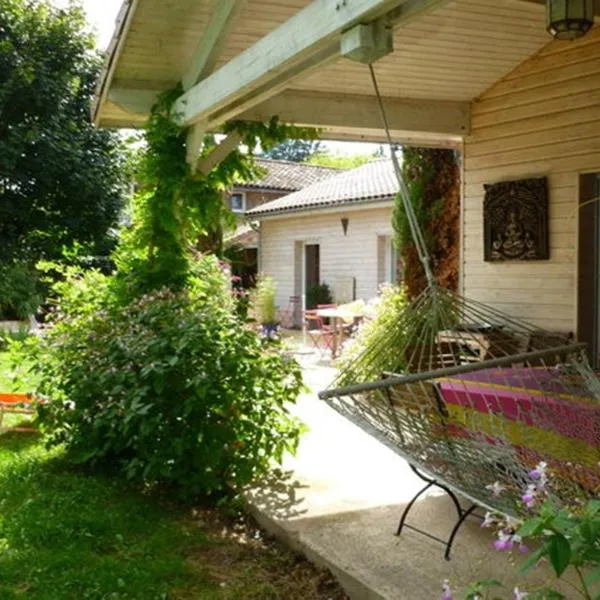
(473, 396)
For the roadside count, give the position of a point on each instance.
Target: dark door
(312, 265)
(588, 296)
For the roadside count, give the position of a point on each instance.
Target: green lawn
(67, 534)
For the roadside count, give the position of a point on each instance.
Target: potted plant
(319, 293)
(262, 305)
(19, 297)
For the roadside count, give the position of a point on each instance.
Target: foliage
(167, 387)
(368, 366)
(61, 179)
(324, 158)
(178, 208)
(319, 293)
(70, 535)
(262, 301)
(566, 536)
(294, 150)
(19, 293)
(433, 179)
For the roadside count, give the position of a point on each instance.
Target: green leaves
(559, 552)
(63, 180)
(167, 387)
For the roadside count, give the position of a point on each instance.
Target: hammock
(471, 396)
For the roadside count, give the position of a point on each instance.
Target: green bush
(262, 301)
(319, 293)
(168, 387)
(377, 345)
(19, 294)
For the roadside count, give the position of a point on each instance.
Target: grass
(69, 534)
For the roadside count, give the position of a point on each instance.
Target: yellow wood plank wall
(541, 120)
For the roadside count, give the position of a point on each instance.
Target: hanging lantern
(569, 19)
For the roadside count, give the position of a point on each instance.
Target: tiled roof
(374, 181)
(288, 176)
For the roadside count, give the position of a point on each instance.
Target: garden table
(338, 316)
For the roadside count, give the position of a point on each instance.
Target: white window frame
(238, 211)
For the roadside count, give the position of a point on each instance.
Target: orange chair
(16, 404)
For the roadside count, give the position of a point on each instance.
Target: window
(237, 202)
(391, 261)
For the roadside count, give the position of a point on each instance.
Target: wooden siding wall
(541, 120)
(355, 254)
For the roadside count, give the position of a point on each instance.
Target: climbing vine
(433, 179)
(177, 209)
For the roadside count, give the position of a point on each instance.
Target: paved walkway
(341, 503)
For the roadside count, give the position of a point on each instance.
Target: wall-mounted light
(569, 19)
(345, 221)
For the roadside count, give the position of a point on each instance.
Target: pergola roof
(255, 58)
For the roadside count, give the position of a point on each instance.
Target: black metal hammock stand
(472, 397)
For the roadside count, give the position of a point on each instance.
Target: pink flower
(446, 591)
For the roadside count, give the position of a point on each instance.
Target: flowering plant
(565, 535)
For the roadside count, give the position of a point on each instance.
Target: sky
(102, 14)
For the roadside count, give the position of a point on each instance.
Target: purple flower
(504, 541)
(446, 591)
(528, 496)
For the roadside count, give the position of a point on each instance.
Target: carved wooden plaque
(515, 219)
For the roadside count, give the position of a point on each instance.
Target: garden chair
(287, 316)
(320, 334)
(15, 404)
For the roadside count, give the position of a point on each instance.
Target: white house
(337, 231)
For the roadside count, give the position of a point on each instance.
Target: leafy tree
(294, 150)
(326, 159)
(61, 180)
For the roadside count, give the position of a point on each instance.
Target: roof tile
(374, 181)
(290, 176)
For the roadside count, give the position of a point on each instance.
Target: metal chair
(287, 316)
(320, 334)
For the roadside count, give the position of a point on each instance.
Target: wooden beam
(195, 137)
(212, 42)
(347, 113)
(308, 39)
(220, 152)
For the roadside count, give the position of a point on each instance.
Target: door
(588, 289)
(311, 269)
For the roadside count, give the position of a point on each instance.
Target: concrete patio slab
(341, 503)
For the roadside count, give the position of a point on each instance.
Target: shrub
(262, 301)
(19, 294)
(319, 293)
(167, 387)
(364, 358)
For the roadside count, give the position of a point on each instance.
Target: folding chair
(320, 335)
(287, 316)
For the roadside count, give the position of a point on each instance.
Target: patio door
(588, 296)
